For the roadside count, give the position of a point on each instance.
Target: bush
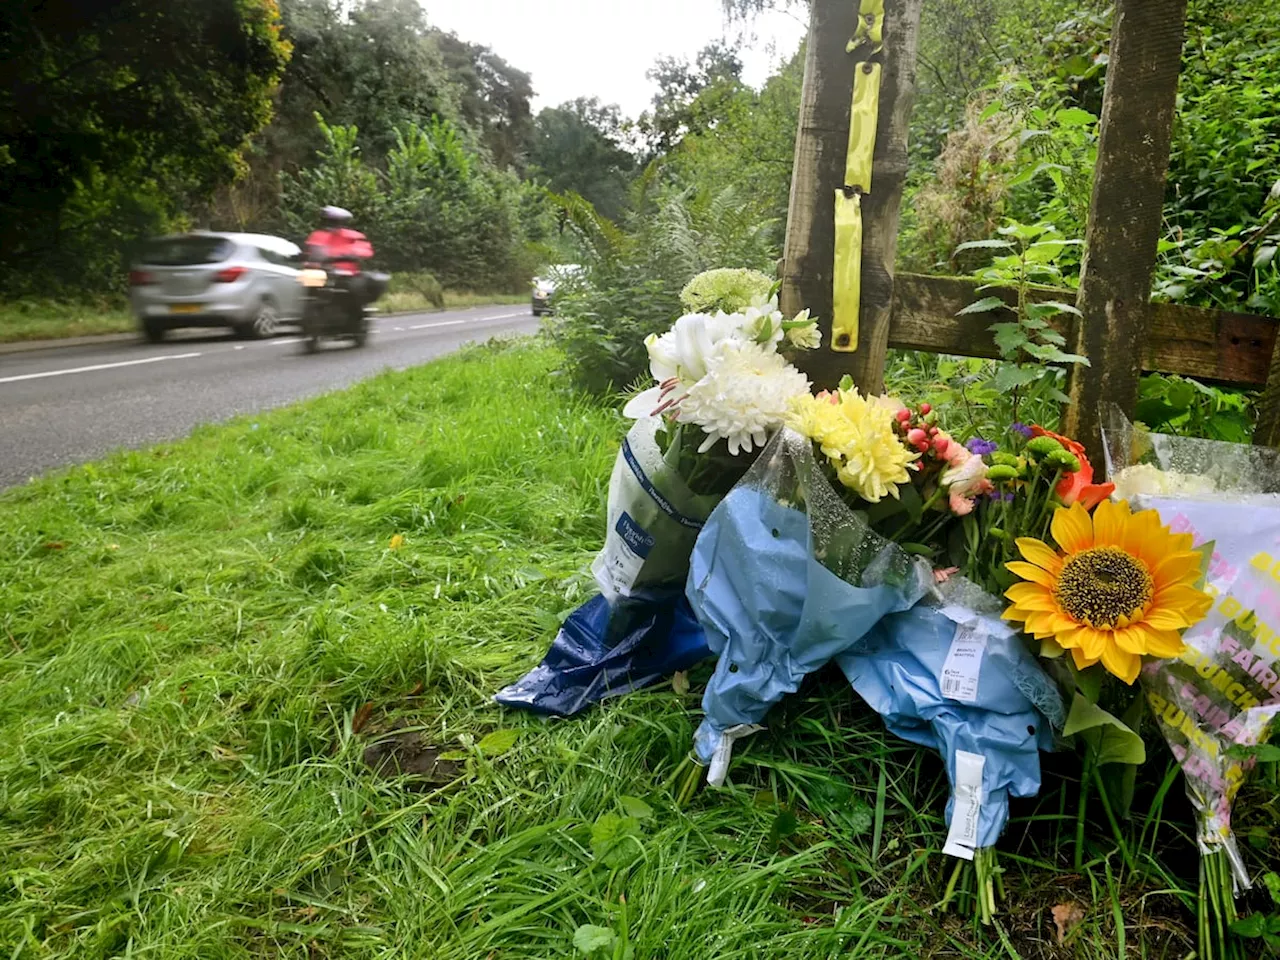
(634, 277)
(423, 285)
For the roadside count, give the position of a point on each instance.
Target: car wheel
(154, 331)
(265, 323)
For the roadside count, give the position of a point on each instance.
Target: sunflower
(1121, 586)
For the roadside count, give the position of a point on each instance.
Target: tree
(93, 91)
(580, 148)
(690, 96)
(493, 99)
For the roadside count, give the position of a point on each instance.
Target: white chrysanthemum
(804, 335)
(680, 357)
(746, 394)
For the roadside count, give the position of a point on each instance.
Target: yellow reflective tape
(863, 116)
(870, 27)
(846, 298)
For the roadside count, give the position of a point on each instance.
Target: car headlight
(312, 278)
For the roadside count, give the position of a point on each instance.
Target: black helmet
(335, 215)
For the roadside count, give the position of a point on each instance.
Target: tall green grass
(215, 654)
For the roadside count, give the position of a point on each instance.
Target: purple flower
(1021, 428)
(1000, 497)
(980, 447)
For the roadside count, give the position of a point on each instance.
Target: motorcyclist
(341, 249)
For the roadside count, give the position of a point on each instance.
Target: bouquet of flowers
(723, 385)
(1217, 696)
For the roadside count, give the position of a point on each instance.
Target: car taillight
(140, 278)
(229, 275)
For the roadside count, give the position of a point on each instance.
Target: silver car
(245, 281)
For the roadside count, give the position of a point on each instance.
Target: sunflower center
(1100, 585)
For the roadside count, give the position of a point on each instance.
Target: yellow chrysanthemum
(1120, 587)
(857, 436)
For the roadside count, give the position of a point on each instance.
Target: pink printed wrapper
(1224, 691)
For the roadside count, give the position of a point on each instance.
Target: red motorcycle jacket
(344, 247)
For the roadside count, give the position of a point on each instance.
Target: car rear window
(187, 251)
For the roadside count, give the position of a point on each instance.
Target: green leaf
(846, 382)
(1011, 376)
(1010, 338)
(637, 808)
(1263, 256)
(1055, 307)
(589, 938)
(1108, 737)
(1180, 395)
(615, 840)
(983, 306)
(1074, 117)
(991, 110)
(1250, 927)
(498, 742)
(454, 755)
(1271, 880)
(784, 825)
(985, 245)
(860, 818)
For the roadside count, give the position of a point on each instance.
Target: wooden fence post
(1125, 212)
(821, 143)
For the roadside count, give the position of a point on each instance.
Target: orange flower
(1077, 487)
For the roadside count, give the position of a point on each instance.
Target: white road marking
(454, 323)
(288, 340)
(239, 346)
(397, 328)
(96, 366)
(442, 323)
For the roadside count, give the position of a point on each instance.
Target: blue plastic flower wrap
(640, 628)
(784, 579)
(950, 675)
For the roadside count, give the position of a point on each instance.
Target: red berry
(916, 436)
(924, 409)
(941, 444)
(933, 431)
(903, 415)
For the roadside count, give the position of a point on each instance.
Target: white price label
(962, 838)
(959, 679)
(625, 550)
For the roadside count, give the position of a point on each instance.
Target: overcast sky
(602, 48)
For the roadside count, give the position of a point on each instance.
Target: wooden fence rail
(1120, 330)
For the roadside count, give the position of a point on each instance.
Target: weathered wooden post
(822, 142)
(1125, 213)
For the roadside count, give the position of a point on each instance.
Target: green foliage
(1029, 344)
(634, 277)
(423, 285)
(101, 99)
(724, 289)
(435, 209)
(579, 149)
(1186, 407)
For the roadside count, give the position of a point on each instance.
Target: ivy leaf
(983, 306)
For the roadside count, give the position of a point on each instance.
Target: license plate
(186, 307)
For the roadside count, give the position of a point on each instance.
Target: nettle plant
(1030, 344)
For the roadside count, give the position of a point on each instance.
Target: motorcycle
(337, 303)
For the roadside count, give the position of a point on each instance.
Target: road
(72, 404)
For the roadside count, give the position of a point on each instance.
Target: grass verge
(55, 320)
(245, 698)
